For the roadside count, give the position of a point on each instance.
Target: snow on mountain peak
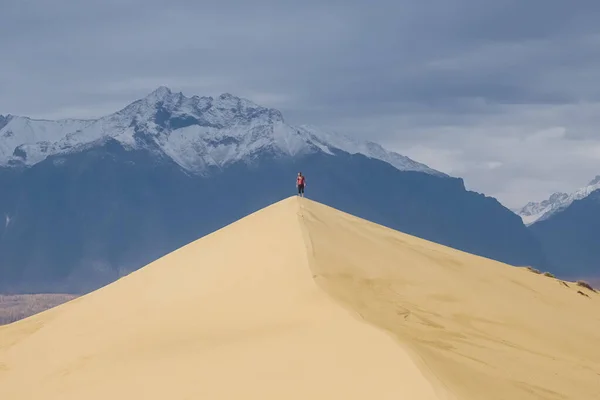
(557, 202)
(196, 132)
(161, 91)
(367, 148)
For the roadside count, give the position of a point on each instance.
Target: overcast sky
(503, 93)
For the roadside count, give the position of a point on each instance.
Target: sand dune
(300, 301)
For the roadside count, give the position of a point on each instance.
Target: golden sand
(301, 301)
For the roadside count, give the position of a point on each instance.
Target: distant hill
(571, 238)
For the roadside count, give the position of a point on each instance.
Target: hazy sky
(503, 93)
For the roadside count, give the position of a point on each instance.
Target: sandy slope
(486, 330)
(299, 301)
(235, 315)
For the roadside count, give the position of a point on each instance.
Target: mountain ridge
(196, 132)
(570, 237)
(534, 212)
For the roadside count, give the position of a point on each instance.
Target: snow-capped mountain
(195, 132)
(534, 212)
(86, 201)
(570, 237)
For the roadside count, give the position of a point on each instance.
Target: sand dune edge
(476, 327)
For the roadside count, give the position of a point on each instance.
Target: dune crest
(301, 301)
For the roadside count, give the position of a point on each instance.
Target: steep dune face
(484, 329)
(301, 301)
(234, 315)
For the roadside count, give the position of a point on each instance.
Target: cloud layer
(501, 93)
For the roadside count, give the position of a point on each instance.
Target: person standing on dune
(300, 183)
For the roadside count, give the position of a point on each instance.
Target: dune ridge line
(442, 391)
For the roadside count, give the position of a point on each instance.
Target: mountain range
(533, 212)
(571, 238)
(567, 225)
(197, 133)
(88, 201)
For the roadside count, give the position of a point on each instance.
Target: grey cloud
(451, 81)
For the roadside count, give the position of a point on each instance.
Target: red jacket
(300, 180)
